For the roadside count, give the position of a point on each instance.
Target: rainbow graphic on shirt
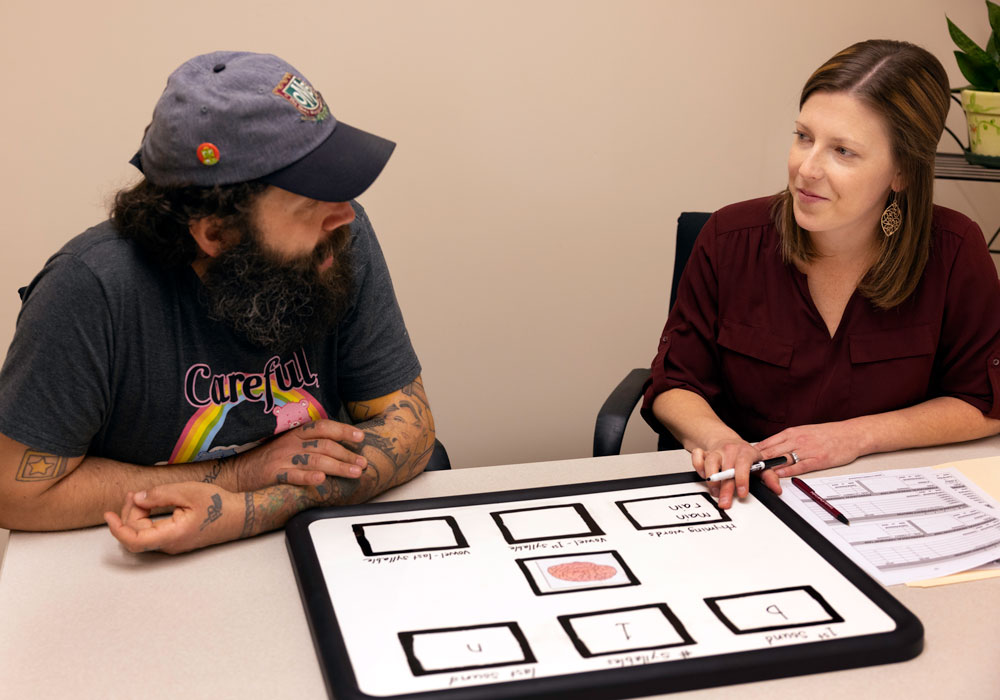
(196, 439)
(279, 389)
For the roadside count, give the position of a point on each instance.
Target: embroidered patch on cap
(208, 154)
(308, 101)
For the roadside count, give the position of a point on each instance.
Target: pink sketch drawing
(582, 571)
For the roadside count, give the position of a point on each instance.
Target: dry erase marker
(820, 501)
(755, 467)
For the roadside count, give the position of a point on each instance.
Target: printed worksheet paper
(908, 524)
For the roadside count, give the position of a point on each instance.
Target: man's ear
(210, 237)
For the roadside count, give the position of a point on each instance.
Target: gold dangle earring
(892, 217)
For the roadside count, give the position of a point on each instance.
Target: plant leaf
(978, 76)
(993, 48)
(994, 12)
(971, 48)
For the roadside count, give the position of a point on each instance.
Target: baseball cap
(229, 116)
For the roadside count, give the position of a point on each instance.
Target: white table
(82, 618)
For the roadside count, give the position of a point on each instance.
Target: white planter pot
(982, 113)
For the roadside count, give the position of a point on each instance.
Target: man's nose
(337, 214)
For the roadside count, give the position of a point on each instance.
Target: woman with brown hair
(846, 315)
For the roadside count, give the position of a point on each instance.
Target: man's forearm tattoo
(373, 477)
(214, 511)
(398, 441)
(361, 410)
(40, 466)
(249, 515)
(214, 472)
(376, 422)
(381, 443)
(270, 508)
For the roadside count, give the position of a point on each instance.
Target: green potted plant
(981, 99)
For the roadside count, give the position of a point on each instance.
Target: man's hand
(203, 515)
(302, 456)
(302, 468)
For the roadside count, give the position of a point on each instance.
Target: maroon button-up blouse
(745, 335)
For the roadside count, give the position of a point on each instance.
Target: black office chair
(609, 430)
(439, 458)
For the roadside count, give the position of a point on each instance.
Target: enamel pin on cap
(208, 154)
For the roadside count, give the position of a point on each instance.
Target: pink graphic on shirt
(291, 415)
(279, 389)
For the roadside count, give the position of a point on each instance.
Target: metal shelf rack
(953, 166)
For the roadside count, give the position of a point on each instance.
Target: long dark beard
(279, 304)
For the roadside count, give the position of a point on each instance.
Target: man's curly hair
(157, 218)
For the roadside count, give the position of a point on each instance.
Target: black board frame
(903, 643)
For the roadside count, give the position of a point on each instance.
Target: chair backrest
(439, 458)
(689, 225)
(614, 414)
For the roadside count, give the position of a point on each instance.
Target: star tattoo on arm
(40, 466)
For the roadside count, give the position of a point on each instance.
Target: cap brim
(339, 169)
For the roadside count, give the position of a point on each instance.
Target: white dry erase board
(604, 590)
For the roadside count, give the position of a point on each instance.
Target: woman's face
(840, 167)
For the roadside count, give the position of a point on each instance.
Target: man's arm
(398, 441)
(398, 438)
(44, 491)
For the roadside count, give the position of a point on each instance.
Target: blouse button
(996, 361)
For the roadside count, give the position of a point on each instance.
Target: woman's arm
(713, 445)
(937, 421)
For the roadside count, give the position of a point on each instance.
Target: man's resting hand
(203, 515)
(302, 456)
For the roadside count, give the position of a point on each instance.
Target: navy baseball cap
(229, 117)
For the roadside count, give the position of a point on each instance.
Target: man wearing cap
(193, 354)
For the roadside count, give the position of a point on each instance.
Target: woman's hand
(730, 454)
(813, 447)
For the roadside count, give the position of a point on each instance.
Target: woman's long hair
(908, 88)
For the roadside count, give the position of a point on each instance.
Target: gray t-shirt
(116, 357)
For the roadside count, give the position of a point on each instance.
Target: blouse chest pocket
(891, 369)
(755, 364)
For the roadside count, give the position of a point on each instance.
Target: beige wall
(545, 150)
